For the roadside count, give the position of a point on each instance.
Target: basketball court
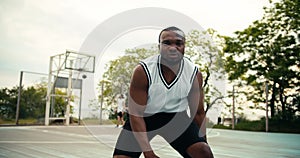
(98, 141)
(67, 71)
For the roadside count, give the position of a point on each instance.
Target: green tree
(204, 48)
(117, 77)
(8, 100)
(32, 103)
(60, 103)
(268, 51)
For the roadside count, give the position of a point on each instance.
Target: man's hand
(150, 154)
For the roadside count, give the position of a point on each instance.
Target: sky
(33, 30)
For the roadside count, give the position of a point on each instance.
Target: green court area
(98, 141)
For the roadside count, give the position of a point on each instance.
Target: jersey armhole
(147, 72)
(194, 74)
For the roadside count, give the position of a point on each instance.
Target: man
(162, 89)
(120, 110)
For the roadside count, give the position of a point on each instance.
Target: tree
(117, 77)
(8, 100)
(205, 49)
(268, 51)
(32, 102)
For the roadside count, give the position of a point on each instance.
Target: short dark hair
(171, 28)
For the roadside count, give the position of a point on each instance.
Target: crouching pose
(162, 88)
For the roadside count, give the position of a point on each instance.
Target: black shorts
(176, 128)
(120, 114)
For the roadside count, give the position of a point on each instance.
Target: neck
(170, 66)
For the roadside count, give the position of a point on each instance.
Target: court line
(221, 154)
(48, 142)
(215, 135)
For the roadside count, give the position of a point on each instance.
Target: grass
(96, 121)
(74, 121)
(250, 126)
(28, 121)
(260, 125)
(220, 126)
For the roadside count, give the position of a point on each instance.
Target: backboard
(79, 61)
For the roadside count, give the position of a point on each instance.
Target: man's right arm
(138, 94)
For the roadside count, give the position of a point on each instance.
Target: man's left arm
(196, 104)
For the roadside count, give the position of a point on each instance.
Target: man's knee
(200, 150)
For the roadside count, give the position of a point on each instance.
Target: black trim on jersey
(168, 86)
(194, 74)
(147, 72)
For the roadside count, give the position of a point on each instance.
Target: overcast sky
(33, 30)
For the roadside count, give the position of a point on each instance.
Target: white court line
(217, 153)
(221, 154)
(215, 135)
(48, 142)
(62, 133)
(53, 126)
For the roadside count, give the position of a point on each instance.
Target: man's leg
(119, 119)
(118, 122)
(126, 145)
(200, 150)
(122, 119)
(189, 144)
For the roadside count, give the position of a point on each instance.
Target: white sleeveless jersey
(164, 97)
(121, 103)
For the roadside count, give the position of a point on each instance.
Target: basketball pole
(233, 106)
(48, 98)
(79, 113)
(19, 98)
(267, 111)
(69, 95)
(101, 104)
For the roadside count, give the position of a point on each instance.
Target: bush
(250, 125)
(275, 125)
(220, 126)
(287, 126)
